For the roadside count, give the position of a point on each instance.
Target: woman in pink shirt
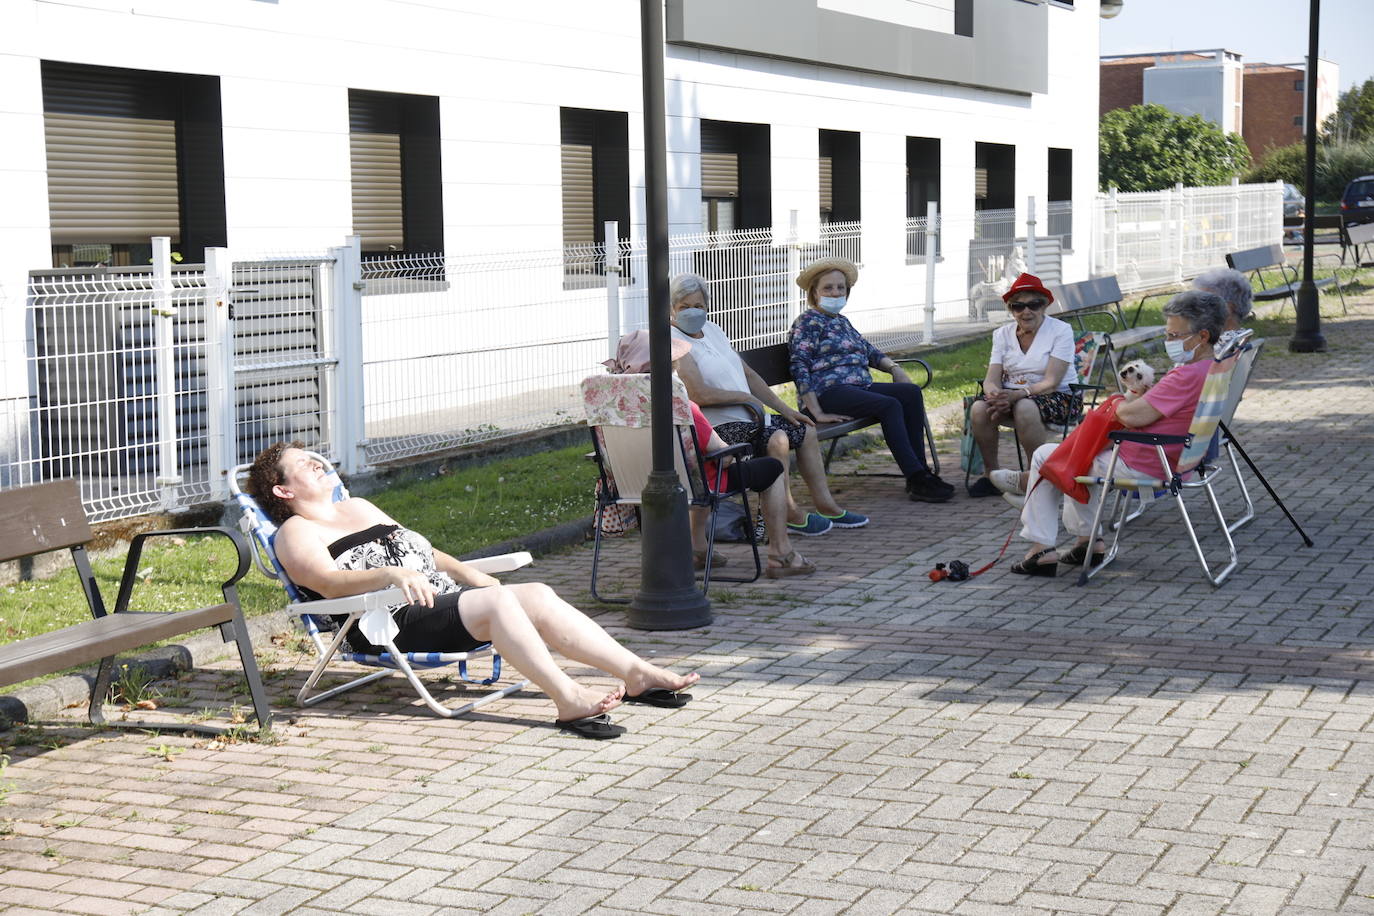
(1193, 322)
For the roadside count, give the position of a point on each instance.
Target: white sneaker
(1007, 481)
(1015, 499)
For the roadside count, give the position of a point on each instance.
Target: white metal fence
(1155, 238)
(148, 384)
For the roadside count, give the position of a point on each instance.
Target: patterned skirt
(1056, 407)
(743, 431)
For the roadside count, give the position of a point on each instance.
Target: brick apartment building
(1264, 103)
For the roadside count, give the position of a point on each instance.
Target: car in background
(1357, 203)
(1293, 212)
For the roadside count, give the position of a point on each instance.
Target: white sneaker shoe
(1007, 481)
(1015, 499)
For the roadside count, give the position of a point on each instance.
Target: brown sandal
(699, 560)
(790, 564)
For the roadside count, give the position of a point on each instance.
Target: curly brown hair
(266, 474)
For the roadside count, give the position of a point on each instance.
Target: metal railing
(147, 384)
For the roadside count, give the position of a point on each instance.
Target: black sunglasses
(1032, 304)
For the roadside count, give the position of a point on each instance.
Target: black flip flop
(661, 697)
(595, 728)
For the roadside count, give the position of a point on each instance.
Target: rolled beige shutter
(719, 174)
(111, 180)
(377, 201)
(579, 209)
(980, 184)
(827, 184)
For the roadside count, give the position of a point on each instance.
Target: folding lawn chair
(1129, 489)
(317, 615)
(618, 416)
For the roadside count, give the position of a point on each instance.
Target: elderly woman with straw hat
(830, 363)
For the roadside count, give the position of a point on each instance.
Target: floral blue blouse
(828, 352)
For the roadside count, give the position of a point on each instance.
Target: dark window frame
(415, 121)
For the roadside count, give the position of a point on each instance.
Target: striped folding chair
(1133, 493)
(318, 617)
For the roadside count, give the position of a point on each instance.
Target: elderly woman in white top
(1027, 385)
(1233, 288)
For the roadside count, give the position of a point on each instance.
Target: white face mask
(1179, 354)
(832, 304)
(690, 320)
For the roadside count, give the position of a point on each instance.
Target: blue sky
(1273, 31)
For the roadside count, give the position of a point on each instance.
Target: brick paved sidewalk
(863, 740)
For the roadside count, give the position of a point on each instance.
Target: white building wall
(501, 72)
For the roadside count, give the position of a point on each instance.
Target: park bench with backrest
(48, 517)
(1101, 296)
(1255, 261)
(1361, 237)
(773, 363)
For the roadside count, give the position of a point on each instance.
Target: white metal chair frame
(262, 533)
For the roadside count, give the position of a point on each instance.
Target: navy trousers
(899, 407)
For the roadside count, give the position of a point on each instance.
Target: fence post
(932, 233)
(612, 239)
(164, 312)
(220, 413)
(1113, 242)
(1235, 215)
(1181, 207)
(349, 405)
(1030, 236)
(793, 268)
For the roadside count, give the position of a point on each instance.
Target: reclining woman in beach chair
(350, 547)
(1193, 323)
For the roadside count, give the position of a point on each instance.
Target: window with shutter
(395, 167)
(595, 159)
(839, 176)
(131, 154)
(736, 182)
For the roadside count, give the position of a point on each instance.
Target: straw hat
(807, 278)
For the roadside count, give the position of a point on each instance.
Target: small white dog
(1136, 378)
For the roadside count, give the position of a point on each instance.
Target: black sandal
(1075, 556)
(1030, 567)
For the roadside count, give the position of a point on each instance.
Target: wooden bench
(1257, 260)
(773, 363)
(1074, 302)
(48, 517)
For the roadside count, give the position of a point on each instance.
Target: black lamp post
(1307, 334)
(668, 597)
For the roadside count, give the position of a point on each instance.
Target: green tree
(1149, 147)
(1354, 117)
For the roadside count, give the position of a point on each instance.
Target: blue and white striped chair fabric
(1131, 489)
(316, 615)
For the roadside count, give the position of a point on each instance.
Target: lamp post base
(1307, 332)
(668, 597)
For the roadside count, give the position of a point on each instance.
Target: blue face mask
(691, 321)
(1178, 354)
(832, 304)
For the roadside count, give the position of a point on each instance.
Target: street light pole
(668, 597)
(1307, 333)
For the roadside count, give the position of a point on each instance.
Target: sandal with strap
(1075, 556)
(1031, 566)
(699, 560)
(791, 564)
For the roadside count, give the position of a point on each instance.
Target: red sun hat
(1027, 283)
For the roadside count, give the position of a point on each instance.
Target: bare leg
(812, 468)
(698, 515)
(574, 635)
(779, 448)
(774, 501)
(985, 433)
(1029, 427)
(495, 615)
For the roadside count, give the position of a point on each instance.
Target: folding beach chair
(317, 616)
(1133, 492)
(618, 415)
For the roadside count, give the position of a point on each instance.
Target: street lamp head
(1111, 8)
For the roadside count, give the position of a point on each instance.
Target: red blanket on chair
(1074, 456)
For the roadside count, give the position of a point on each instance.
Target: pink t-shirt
(1176, 396)
(704, 430)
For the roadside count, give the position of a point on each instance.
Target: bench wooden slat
(43, 517)
(96, 639)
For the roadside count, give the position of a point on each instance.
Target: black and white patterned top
(390, 545)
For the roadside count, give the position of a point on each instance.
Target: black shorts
(423, 629)
(756, 474)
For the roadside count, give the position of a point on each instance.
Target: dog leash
(958, 571)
